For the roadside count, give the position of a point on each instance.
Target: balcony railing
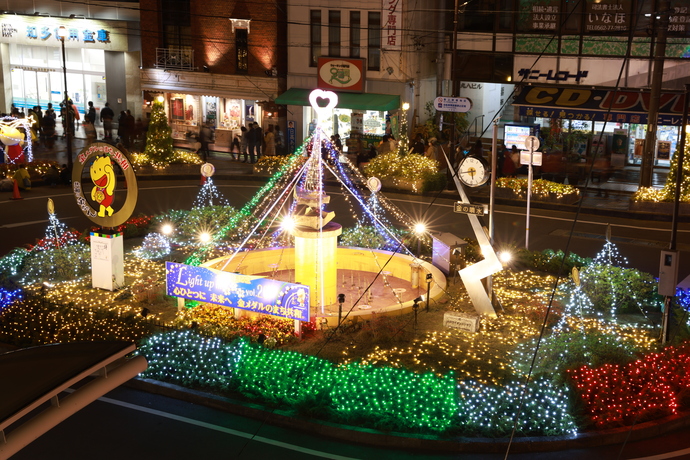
(175, 58)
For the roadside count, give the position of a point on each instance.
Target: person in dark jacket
(205, 139)
(107, 116)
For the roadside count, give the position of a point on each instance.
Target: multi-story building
(573, 61)
(217, 62)
(376, 56)
(101, 54)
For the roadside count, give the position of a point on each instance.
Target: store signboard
(607, 16)
(246, 292)
(579, 103)
(81, 33)
(341, 74)
(392, 24)
(291, 136)
(539, 15)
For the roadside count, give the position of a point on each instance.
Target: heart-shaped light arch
(323, 112)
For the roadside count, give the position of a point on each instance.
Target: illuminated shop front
(619, 132)
(367, 116)
(94, 55)
(226, 115)
(358, 114)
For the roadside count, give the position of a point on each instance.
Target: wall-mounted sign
(452, 104)
(40, 30)
(246, 292)
(555, 76)
(96, 196)
(392, 24)
(341, 74)
(607, 15)
(594, 104)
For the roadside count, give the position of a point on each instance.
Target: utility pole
(661, 28)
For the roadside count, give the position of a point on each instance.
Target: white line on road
(564, 219)
(223, 429)
(675, 454)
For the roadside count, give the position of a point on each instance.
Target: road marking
(223, 429)
(564, 219)
(675, 454)
(32, 222)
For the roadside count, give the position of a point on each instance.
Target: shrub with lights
(492, 411)
(218, 321)
(540, 188)
(178, 156)
(668, 192)
(394, 166)
(649, 388)
(37, 321)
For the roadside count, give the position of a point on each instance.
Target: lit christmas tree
(669, 189)
(159, 142)
(209, 195)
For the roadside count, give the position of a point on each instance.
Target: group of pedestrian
(126, 128)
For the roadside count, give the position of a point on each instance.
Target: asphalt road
(135, 425)
(641, 242)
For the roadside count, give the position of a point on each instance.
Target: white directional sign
(452, 104)
(536, 158)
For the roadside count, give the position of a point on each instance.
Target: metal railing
(175, 58)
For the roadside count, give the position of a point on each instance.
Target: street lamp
(63, 33)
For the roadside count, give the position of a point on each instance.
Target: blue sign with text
(246, 292)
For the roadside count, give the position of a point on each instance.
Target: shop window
(334, 33)
(355, 33)
(314, 37)
(242, 50)
(374, 41)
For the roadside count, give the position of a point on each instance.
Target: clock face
(473, 171)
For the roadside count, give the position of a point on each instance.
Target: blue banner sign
(246, 292)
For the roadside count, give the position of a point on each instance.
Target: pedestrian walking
(205, 138)
(244, 133)
(252, 140)
(107, 116)
(122, 127)
(270, 141)
(280, 141)
(91, 114)
(259, 136)
(48, 129)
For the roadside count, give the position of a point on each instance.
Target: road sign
(452, 104)
(467, 208)
(532, 143)
(536, 158)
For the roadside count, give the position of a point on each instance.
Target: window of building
(314, 37)
(242, 50)
(177, 30)
(334, 33)
(374, 41)
(479, 16)
(355, 33)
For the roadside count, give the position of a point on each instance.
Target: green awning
(354, 101)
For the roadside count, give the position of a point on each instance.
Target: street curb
(370, 437)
